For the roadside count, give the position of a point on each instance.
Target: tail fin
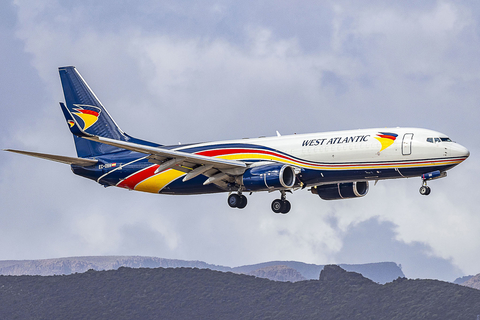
(83, 106)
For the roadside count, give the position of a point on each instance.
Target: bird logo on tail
(88, 114)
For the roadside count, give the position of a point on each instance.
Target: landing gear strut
(281, 205)
(237, 200)
(425, 190)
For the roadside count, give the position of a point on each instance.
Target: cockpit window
(437, 140)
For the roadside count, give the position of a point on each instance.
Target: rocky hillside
(278, 273)
(186, 293)
(473, 282)
(65, 266)
(382, 272)
(461, 280)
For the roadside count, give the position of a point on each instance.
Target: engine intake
(345, 190)
(268, 176)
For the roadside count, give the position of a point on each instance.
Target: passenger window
(437, 140)
(430, 140)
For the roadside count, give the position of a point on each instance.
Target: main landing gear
(281, 205)
(237, 200)
(425, 190)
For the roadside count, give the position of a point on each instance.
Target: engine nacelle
(345, 190)
(268, 176)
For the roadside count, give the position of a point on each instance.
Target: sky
(177, 71)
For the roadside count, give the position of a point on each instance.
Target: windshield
(436, 140)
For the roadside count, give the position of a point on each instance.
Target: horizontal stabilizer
(62, 159)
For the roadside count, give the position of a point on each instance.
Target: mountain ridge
(381, 272)
(472, 282)
(192, 293)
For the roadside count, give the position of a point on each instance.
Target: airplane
(333, 165)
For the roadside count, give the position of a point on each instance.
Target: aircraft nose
(460, 151)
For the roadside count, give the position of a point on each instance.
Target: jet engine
(344, 190)
(268, 176)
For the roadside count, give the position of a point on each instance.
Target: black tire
(424, 190)
(243, 202)
(277, 205)
(286, 206)
(234, 200)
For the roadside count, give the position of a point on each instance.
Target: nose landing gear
(281, 205)
(425, 190)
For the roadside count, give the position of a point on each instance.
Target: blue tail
(89, 113)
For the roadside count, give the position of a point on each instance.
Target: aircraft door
(407, 144)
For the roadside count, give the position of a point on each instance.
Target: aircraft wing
(171, 154)
(217, 170)
(67, 160)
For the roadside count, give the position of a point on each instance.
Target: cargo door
(407, 144)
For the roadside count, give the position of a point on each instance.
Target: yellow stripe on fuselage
(157, 182)
(256, 156)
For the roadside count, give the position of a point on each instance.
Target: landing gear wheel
(277, 205)
(425, 190)
(237, 201)
(286, 206)
(234, 200)
(281, 206)
(243, 202)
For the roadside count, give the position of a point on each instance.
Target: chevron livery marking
(147, 181)
(272, 155)
(386, 139)
(131, 181)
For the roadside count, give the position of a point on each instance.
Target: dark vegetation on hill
(185, 293)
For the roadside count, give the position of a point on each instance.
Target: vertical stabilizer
(83, 109)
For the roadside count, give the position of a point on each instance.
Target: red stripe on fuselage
(220, 152)
(131, 181)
